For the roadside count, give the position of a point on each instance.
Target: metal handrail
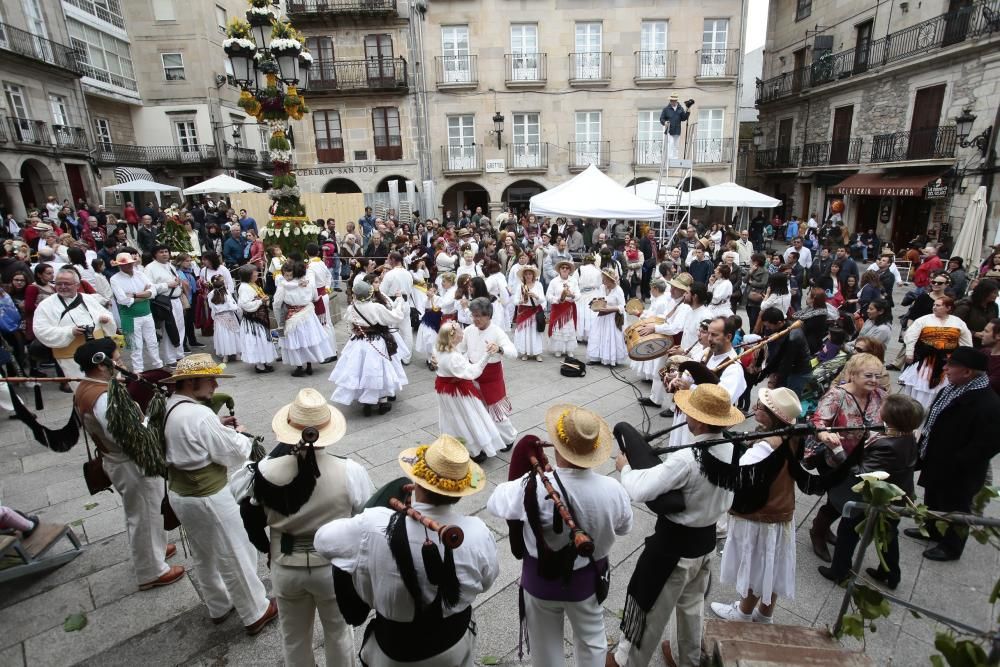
(383, 74)
(457, 70)
(462, 158)
(647, 152)
(525, 68)
(846, 151)
(936, 143)
(655, 65)
(584, 153)
(28, 131)
(717, 62)
(340, 6)
(713, 151)
(590, 66)
(154, 155)
(24, 43)
(780, 157)
(527, 156)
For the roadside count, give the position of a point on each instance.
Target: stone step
(783, 635)
(730, 644)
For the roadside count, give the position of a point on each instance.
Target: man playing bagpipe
(560, 576)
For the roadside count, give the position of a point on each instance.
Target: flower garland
(421, 470)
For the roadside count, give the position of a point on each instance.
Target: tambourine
(634, 307)
(598, 304)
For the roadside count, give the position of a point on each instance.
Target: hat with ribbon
(710, 404)
(443, 467)
(529, 268)
(564, 262)
(609, 274)
(124, 258)
(782, 402)
(196, 366)
(579, 435)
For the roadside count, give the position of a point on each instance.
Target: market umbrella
(969, 244)
(222, 184)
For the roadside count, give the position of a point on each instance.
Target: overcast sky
(756, 24)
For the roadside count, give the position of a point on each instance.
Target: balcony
(330, 10)
(462, 159)
(976, 20)
(647, 152)
(388, 147)
(15, 40)
(241, 157)
(832, 153)
(155, 156)
(936, 143)
(457, 72)
(525, 70)
(590, 68)
(358, 77)
(265, 159)
(28, 132)
(780, 158)
(109, 77)
(102, 12)
(713, 151)
(527, 158)
(70, 138)
(717, 64)
(582, 154)
(655, 66)
(330, 151)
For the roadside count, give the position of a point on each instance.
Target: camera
(689, 103)
(88, 333)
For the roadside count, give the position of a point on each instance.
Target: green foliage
(174, 236)
(75, 622)
(959, 652)
(279, 142)
(852, 625)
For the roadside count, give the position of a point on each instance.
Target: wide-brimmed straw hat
(443, 467)
(610, 275)
(782, 402)
(579, 435)
(196, 366)
(673, 97)
(123, 258)
(529, 267)
(565, 262)
(309, 409)
(710, 404)
(682, 281)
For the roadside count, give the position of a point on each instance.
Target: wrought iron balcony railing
(655, 65)
(243, 157)
(782, 157)
(70, 138)
(586, 67)
(647, 152)
(713, 151)
(717, 63)
(309, 9)
(121, 154)
(358, 76)
(846, 151)
(31, 46)
(462, 159)
(582, 154)
(527, 157)
(936, 143)
(28, 132)
(525, 69)
(460, 71)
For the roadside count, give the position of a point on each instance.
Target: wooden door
(956, 24)
(784, 152)
(924, 125)
(863, 46)
(799, 68)
(75, 178)
(840, 144)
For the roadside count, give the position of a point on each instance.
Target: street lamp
(498, 128)
(758, 137)
(963, 128)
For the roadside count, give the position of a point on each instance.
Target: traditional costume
(491, 381)
(588, 277)
(417, 623)
(461, 410)
(606, 343)
(227, 334)
(732, 379)
(430, 324)
(323, 280)
(563, 317)
(448, 304)
(203, 313)
(167, 302)
(55, 319)
(500, 297)
(529, 341)
(255, 332)
(556, 582)
(135, 314)
(397, 282)
(305, 341)
(929, 340)
(298, 489)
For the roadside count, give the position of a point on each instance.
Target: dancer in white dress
(588, 277)
(463, 295)
(305, 341)
(225, 314)
(500, 294)
(722, 291)
(563, 317)
(448, 300)
(606, 343)
(430, 324)
(369, 370)
(530, 301)
(255, 332)
(461, 408)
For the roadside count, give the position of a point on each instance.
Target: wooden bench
(20, 557)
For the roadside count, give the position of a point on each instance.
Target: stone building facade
(861, 117)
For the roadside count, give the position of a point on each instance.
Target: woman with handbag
(529, 319)
(857, 402)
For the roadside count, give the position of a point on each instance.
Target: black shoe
(299, 372)
(263, 370)
(367, 409)
(329, 359)
(893, 367)
(882, 576)
(508, 447)
(384, 408)
(593, 363)
(828, 573)
(645, 400)
(667, 412)
(392, 398)
(917, 535)
(309, 369)
(187, 350)
(480, 457)
(197, 344)
(939, 554)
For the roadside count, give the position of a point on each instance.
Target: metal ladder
(674, 173)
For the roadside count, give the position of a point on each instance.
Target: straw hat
(465, 231)
(682, 281)
(443, 467)
(124, 258)
(673, 97)
(782, 402)
(610, 275)
(468, 254)
(529, 267)
(564, 262)
(196, 366)
(705, 243)
(309, 409)
(579, 435)
(710, 404)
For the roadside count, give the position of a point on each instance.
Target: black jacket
(671, 119)
(789, 356)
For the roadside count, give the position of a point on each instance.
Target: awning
(126, 174)
(889, 183)
(255, 175)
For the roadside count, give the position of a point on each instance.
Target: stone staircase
(729, 644)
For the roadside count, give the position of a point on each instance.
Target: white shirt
(475, 340)
(722, 292)
(589, 280)
(677, 322)
(196, 437)
(319, 272)
(376, 313)
(554, 294)
(454, 364)
(248, 299)
(691, 326)
(704, 503)
(732, 378)
(805, 256)
(745, 250)
(124, 286)
(598, 501)
(161, 274)
(496, 285)
(358, 546)
(536, 297)
(55, 330)
(397, 282)
(892, 269)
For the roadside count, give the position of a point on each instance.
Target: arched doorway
(694, 183)
(383, 185)
(465, 195)
(341, 186)
(637, 181)
(35, 176)
(519, 193)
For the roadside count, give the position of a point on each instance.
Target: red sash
(318, 304)
(561, 314)
(449, 317)
(456, 387)
(492, 384)
(525, 314)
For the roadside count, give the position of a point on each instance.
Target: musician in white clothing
(588, 278)
(133, 292)
(166, 282)
(675, 322)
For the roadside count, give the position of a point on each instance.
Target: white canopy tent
(141, 185)
(591, 194)
(732, 196)
(223, 184)
(647, 190)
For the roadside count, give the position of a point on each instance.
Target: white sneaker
(761, 618)
(730, 612)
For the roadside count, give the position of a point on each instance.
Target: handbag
(755, 297)
(540, 321)
(170, 519)
(93, 468)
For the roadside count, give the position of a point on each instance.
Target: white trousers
(301, 592)
(170, 353)
(406, 333)
(225, 563)
(143, 338)
(459, 655)
(141, 498)
(328, 323)
(544, 620)
(685, 592)
(672, 142)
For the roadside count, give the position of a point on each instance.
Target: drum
(651, 346)
(634, 307)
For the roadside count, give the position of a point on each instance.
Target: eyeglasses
(939, 282)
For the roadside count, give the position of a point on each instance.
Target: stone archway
(35, 178)
(637, 181)
(383, 185)
(466, 193)
(519, 193)
(341, 186)
(694, 183)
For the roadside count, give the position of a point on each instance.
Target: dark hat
(84, 355)
(968, 357)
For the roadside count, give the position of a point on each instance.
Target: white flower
(261, 11)
(241, 42)
(284, 44)
(305, 55)
(876, 476)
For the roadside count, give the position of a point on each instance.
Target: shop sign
(496, 166)
(330, 171)
(875, 191)
(936, 192)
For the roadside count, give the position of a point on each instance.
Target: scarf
(944, 399)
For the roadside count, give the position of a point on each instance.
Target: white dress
(226, 334)
(562, 339)
(606, 343)
(722, 292)
(503, 304)
(588, 277)
(659, 306)
(365, 372)
(255, 338)
(430, 324)
(527, 338)
(916, 377)
(461, 411)
(758, 556)
(305, 340)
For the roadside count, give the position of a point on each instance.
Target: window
(105, 58)
(102, 130)
(708, 142)
(588, 42)
(24, 129)
(527, 141)
(173, 66)
(462, 142)
(237, 123)
(524, 52)
(230, 74)
(265, 136)
(653, 50)
(803, 8)
(57, 103)
(329, 141)
(322, 74)
(221, 18)
(380, 68)
(863, 45)
(714, 39)
(187, 135)
(36, 25)
(455, 61)
(163, 10)
(388, 142)
(649, 138)
(588, 138)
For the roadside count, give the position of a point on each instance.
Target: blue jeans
(335, 271)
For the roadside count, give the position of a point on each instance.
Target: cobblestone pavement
(169, 626)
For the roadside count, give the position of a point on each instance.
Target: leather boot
(825, 516)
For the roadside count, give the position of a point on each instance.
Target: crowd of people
(463, 294)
